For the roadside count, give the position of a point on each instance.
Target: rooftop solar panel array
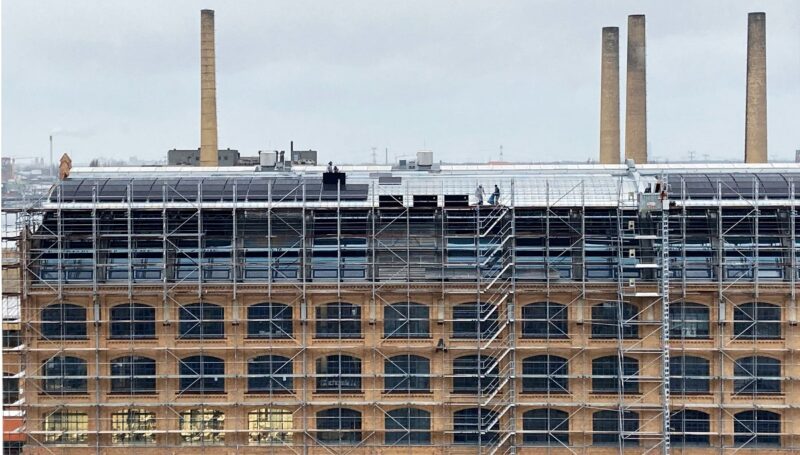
(734, 186)
(212, 189)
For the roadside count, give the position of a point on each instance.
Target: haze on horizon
(121, 79)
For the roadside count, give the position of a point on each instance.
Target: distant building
(191, 157)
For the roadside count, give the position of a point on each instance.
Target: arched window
(202, 426)
(544, 320)
(269, 320)
(470, 323)
(408, 426)
(406, 320)
(757, 429)
(133, 427)
(468, 424)
(689, 374)
(475, 374)
(689, 428)
(63, 321)
(269, 426)
(607, 323)
(338, 320)
(338, 372)
(269, 374)
(757, 321)
(202, 320)
(759, 374)
(66, 427)
(606, 428)
(545, 373)
(339, 426)
(133, 321)
(689, 321)
(64, 374)
(605, 375)
(133, 374)
(545, 427)
(202, 374)
(10, 389)
(407, 373)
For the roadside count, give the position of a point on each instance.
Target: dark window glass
(64, 375)
(202, 374)
(408, 426)
(607, 322)
(470, 323)
(338, 320)
(202, 320)
(757, 429)
(269, 373)
(133, 321)
(545, 373)
(689, 374)
(689, 321)
(468, 424)
(475, 374)
(339, 426)
(545, 427)
(606, 377)
(605, 425)
(407, 374)
(63, 321)
(338, 373)
(133, 374)
(687, 428)
(406, 320)
(269, 320)
(757, 321)
(757, 375)
(544, 320)
(10, 389)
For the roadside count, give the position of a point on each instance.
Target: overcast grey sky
(121, 79)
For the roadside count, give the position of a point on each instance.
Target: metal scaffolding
(409, 320)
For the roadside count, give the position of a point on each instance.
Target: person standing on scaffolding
(494, 199)
(479, 193)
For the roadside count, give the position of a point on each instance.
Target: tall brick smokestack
(208, 91)
(755, 129)
(609, 97)
(636, 92)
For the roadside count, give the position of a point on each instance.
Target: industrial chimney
(636, 92)
(755, 129)
(609, 97)
(208, 91)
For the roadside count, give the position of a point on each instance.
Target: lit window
(64, 427)
(269, 426)
(202, 426)
(133, 426)
(408, 426)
